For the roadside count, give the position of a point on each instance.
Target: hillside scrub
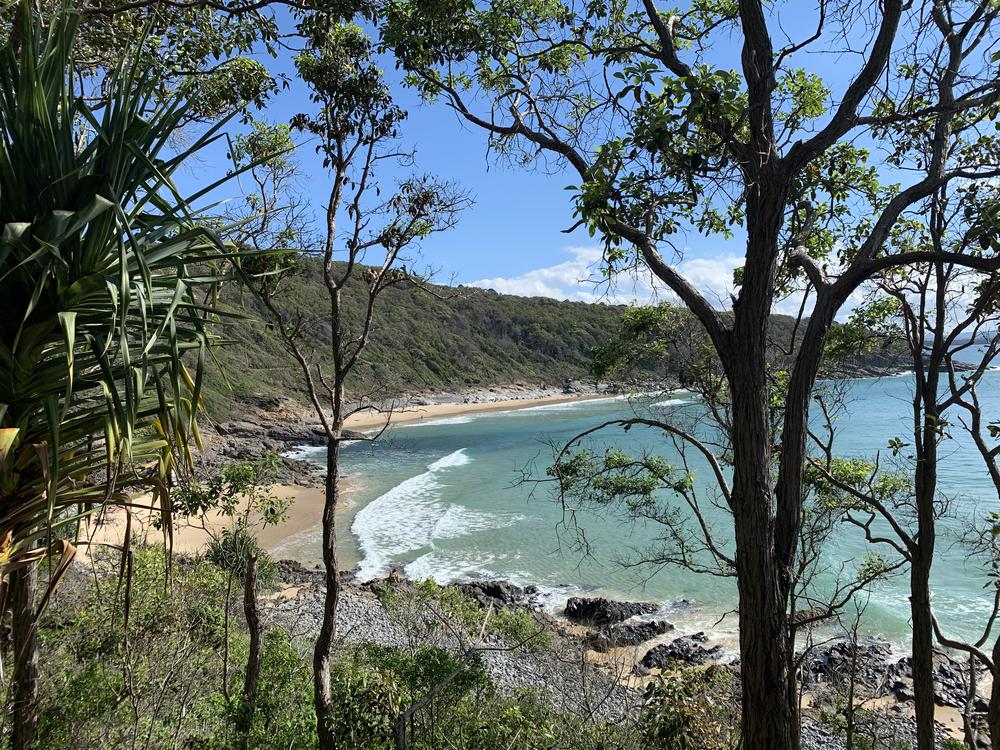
(141, 666)
(450, 339)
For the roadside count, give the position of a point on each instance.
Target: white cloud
(579, 279)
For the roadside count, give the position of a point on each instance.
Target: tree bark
(323, 694)
(993, 711)
(923, 653)
(769, 705)
(24, 703)
(252, 677)
(926, 424)
(767, 716)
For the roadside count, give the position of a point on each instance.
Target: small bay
(457, 498)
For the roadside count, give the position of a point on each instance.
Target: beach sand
(193, 536)
(415, 414)
(305, 512)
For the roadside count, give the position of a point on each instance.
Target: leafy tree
(355, 124)
(941, 312)
(101, 337)
(665, 138)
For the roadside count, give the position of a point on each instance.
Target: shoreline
(193, 535)
(432, 411)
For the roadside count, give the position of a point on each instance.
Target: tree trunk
(926, 420)
(768, 700)
(252, 677)
(993, 712)
(923, 654)
(323, 695)
(768, 705)
(24, 705)
(968, 713)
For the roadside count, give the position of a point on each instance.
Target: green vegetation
(691, 710)
(151, 675)
(427, 607)
(452, 339)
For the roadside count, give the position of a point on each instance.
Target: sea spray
(411, 516)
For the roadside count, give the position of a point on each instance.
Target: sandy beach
(193, 535)
(411, 414)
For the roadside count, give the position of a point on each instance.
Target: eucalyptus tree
(216, 53)
(101, 337)
(896, 500)
(708, 120)
(369, 229)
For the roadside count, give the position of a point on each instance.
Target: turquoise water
(445, 500)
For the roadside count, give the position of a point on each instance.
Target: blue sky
(512, 239)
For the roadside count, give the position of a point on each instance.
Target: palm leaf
(101, 263)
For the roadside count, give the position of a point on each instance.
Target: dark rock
(834, 664)
(602, 611)
(951, 685)
(684, 650)
(627, 634)
(493, 593)
(294, 572)
(875, 671)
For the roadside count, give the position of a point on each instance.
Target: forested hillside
(439, 338)
(425, 339)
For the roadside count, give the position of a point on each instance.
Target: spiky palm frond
(100, 261)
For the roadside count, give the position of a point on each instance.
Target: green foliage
(106, 681)
(353, 98)
(246, 482)
(676, 154)
(232, 552)
(868, 327)
(156, 681)
(883, 485)
(367, 703)
(96, 269)
(690, 709)
(458, 338)
(619, 478)
(867, 726)
(376, 681)
(100, 669)
(426, 606)
(647, 335)
(207, 50)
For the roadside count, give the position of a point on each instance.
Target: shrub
(424, 607)
(689, 709)
(367, 702)
(232, 552)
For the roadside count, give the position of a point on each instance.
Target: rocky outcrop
(834, 665)
(627, 634)
(874, 669)
(600, 611)
(686, 651)
(497, 594)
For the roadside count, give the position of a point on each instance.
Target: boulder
(493, 593)
(627, 634)
(601, 611)
(684, 650)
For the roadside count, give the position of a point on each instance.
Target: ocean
(455, 499)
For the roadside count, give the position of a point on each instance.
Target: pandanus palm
(102, 267)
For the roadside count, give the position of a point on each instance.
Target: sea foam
(411, 516)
